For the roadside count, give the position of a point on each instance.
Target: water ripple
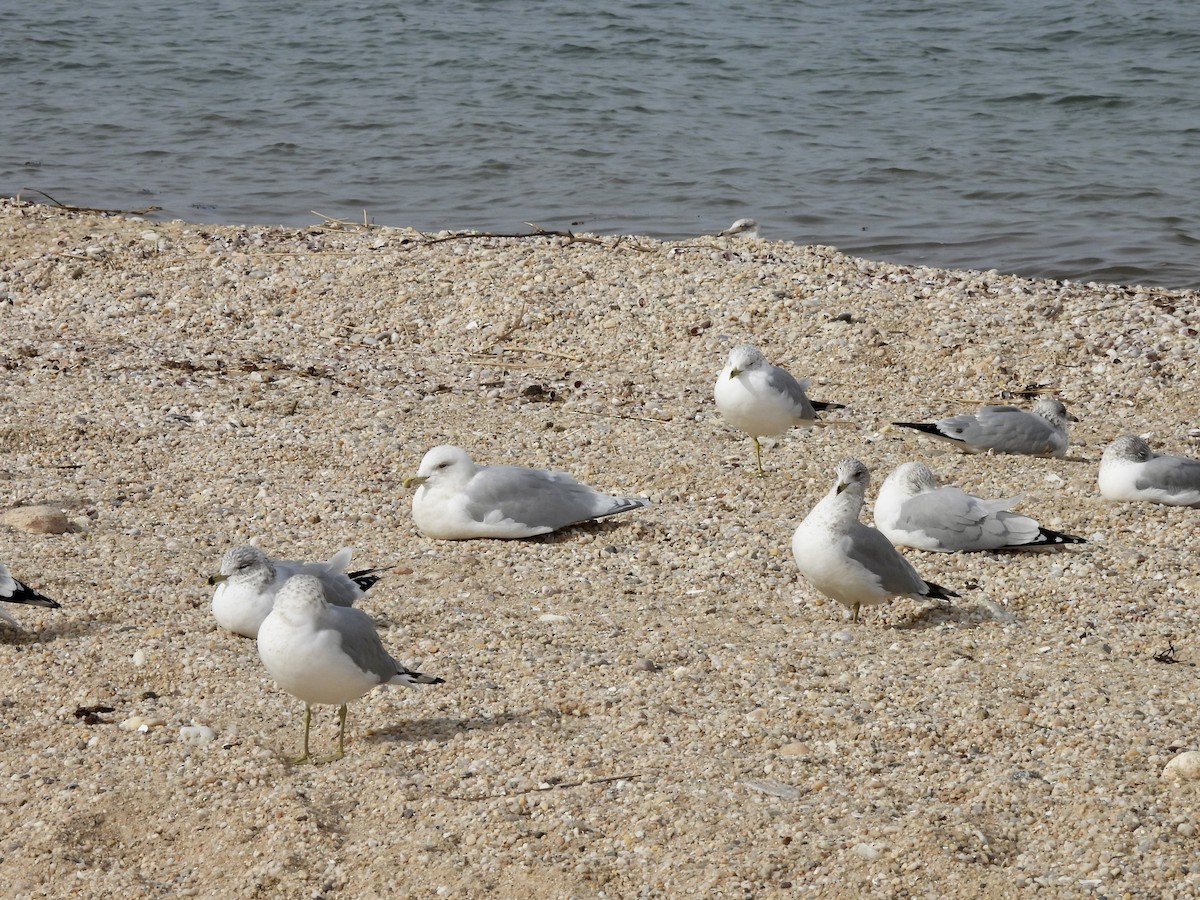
(1047, 140)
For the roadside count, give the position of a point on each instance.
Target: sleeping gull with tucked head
(249, 581)
(323, 654)
(1005, 429)
(456, 499)
(914, 512)
(746, 228)
(763, 400)
(848, 561)
(13, 591)
(1130, 470)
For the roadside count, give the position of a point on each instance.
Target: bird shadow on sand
(962, 615)
(70, 628)
(445, 728)
(598, 528)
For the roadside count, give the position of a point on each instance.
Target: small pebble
(196, 734)
(867, 851)
(142, 723)
(1184, 767)
(37, 519)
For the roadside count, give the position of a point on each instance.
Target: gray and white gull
(848, 561)
(914, 512)
(459, 500)
(249, 580)
(762, 399)
(325, 654)
(1130, 470)
(1041, 431)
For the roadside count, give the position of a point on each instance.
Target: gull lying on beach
(1005, 429)
(249, 581)
(458, 500)
(746, 228)
(914, 512)
(1130, 470)
(848, 561)
(13, 591)
(323, 654)
(763, 400)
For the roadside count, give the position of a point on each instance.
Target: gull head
(1127, 448)
(744, 358)
(744, 227)
(300, 595)
(914, 478)
(245, 564)
(443, 465)
(852, 476)
(1053, 410)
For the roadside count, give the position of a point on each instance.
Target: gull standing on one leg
(848, 561)
(325, 654)
(763, 400)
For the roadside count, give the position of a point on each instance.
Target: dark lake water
(1059, 139)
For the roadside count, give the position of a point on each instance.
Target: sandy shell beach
(655, 705)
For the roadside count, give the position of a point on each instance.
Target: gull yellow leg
(341, 743)
(306, 756)
(758, 456)
(341, 732)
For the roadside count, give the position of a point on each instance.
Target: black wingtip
(937, 592)
(823, 405)
(27, 595)
(422, 678)
(366, 578)
(623, 504)
(926, 427)
(1049, 537)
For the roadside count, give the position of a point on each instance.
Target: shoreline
(654, 704)
(884, 252)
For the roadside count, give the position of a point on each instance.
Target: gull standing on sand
(746, 228)
(851, 562)
(323, 654)
(1005, 429)
(914, 512)
(1130, 470)
(458, 500)
(763, 400)
(249, 581)
(13, 591)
